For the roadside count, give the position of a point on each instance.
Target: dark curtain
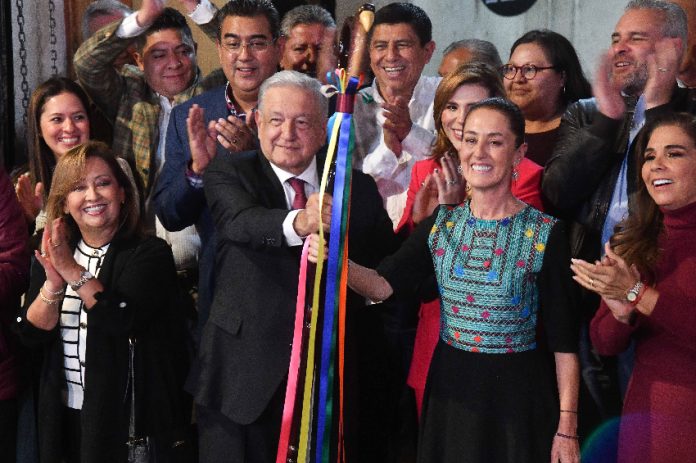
(7, 111)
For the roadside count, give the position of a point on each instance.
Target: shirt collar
(309, 175)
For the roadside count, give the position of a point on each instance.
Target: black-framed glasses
(252, 46)
(528, 71)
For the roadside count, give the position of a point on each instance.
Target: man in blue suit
(249, 53)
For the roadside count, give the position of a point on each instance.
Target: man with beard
(591, 179)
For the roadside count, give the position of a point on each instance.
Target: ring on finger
(592, 282)
(662, 69)
(54, 245)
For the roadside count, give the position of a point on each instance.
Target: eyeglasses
(252, 46)
(528, 71)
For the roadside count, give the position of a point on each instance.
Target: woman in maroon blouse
(646, 284)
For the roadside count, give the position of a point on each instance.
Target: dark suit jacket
(245, 346)
(177, 203)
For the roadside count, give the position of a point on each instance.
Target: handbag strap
(132, 439)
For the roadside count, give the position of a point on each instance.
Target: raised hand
(149, 11)
(58, 249)
(201, 139)
(451, 187)
(609, 281)
(398, 118)
(426, 200)
(190, 5)
(607, 90)
(54, 282)
(236, 135)
(663, 69)
(30, 198)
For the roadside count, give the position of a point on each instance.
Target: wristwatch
(85, 276)
(632, 294)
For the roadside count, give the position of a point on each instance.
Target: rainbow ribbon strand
(313, 390)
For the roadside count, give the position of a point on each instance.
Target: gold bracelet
(47, 300)
(53, 293)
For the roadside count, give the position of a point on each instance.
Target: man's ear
(429, 49)
(139, 59)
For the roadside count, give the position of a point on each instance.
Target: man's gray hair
(101, 8)
(297, 80)
(675, 24)
(482, 50)
(305, 14)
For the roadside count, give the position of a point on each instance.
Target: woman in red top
(470, 83)
(648, 295)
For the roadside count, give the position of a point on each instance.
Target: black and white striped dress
(73, 326)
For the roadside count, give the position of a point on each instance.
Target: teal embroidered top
(486, 272)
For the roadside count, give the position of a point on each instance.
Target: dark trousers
(221, 440)
(8, 429)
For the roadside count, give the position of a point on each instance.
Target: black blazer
(140, 299)
(245, 346)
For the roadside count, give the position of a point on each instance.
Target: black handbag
(138, 447)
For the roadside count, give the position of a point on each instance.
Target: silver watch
(85, 276)
(632, 294)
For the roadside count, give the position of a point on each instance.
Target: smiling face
(488, 153)
(95, 201)
(632, 42)
(247, 68)
(456, 109)
(168, 60)
(291, 127)
(301, 49)
(539, 97)
(669, 169)
(64, 123)
(397, 58)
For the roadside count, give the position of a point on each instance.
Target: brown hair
(70, 169)
(471, 73)
(636, 238)
(42, 161)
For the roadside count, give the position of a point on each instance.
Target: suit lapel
(270, 184)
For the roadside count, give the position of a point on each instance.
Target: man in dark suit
(256, 202)
(249, 53)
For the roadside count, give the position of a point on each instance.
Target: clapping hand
(451, 187)
(201, 139)
(30, 198)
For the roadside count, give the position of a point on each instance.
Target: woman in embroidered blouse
(500, 264)
(100, 283)
(468, 84)
(648, 295)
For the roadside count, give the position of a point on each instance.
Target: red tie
(300, 200)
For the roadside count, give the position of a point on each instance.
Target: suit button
(82, 363)
(83, 325)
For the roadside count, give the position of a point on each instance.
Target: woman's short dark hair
(42, 161)
(509, 109)
(70, 170)
(561, 54)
